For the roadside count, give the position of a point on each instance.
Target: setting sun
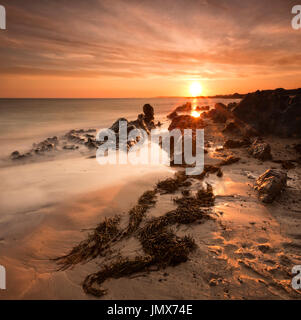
(195, 114)
(195, 89)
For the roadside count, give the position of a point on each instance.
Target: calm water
(24, 121)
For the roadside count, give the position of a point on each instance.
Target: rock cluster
(87, 137)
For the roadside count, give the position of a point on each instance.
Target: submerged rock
(16, 155)
(270, 184)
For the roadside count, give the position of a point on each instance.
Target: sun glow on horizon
(195, 114)
(195, 89)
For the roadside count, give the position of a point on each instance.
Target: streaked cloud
(212, 40)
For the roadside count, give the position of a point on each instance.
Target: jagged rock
(260, 150)
(232, 144)
(271, 112)
(270, 184)
(186, 122)
(149, 112)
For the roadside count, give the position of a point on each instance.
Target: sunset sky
(147, 48)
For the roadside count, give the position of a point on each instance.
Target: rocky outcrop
(87, 137)
(270, 184)
(260, 150)
(271, 112)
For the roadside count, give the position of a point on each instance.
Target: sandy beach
(244, 249)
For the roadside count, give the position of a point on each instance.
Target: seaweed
(137, 213)
(161, 246)
(95, 245)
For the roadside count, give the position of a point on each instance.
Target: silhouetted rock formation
(271, 112)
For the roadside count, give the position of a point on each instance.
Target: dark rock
(270, 184)
(271, 112)
(149, 112)
(260, 150)
(16, 155)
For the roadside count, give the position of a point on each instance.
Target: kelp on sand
(161, 246)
